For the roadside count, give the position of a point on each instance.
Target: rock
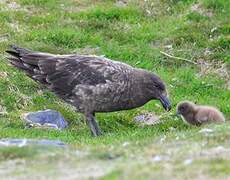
(4, 37)
(157, 158)
(125, 144)
(2, 73)
(3, 110)
(45, 119)
(26, 142)
(188, 161)
(121, 3)
(205, 130)
(160, 158)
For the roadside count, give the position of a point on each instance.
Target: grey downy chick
(199, 114)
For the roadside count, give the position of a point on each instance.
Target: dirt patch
(79, 6)
(16, 27)
(8, 5)
(3, 38)
(155, 8)
(88, 50)
(218, 68)
(200, 10)
(3, 74)
(147, 119)
(121, 3)
(3, 110)
(165, 44)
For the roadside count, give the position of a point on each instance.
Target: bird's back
(91, 82)
(209, 114)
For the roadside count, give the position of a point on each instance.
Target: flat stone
(45, 119)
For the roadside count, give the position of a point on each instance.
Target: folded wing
(62, 73)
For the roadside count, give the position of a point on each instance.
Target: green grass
(134, 33)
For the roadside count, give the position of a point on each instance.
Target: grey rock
(47, 119)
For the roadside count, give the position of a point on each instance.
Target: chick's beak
(165, 102)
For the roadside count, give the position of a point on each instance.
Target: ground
(138, 33)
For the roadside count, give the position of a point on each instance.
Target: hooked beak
(165, 102)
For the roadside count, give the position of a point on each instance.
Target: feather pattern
(90, 83)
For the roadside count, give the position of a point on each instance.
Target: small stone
(4, 37)
(3, 74)
(205, 130)
(13, 5)
(172, 129)
(125, 144)
(168, 46)
(213, 29)
(163, 139)
(121, 3)
(174, 79)
(3, 110)
(157, 158)
(188, 161)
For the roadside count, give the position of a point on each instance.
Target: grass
(134, 33)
